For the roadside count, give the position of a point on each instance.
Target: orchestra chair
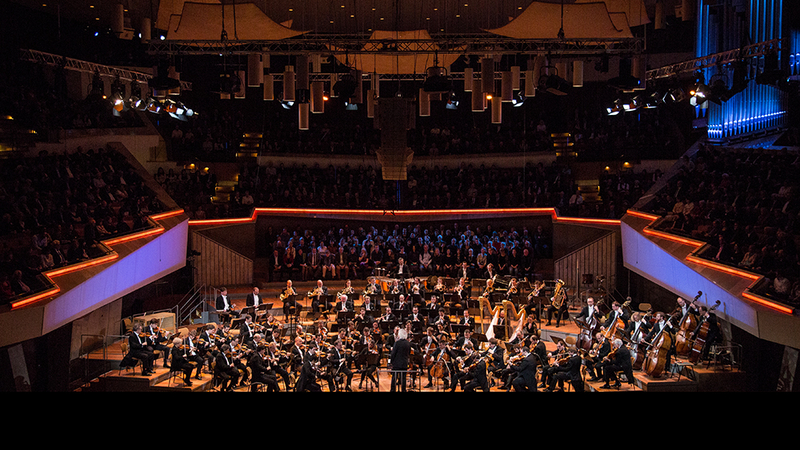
(128, 358)
(256, 386)
(173, 372)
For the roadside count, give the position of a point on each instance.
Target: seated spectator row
(455, 251)
(744, 203)
(55, 209)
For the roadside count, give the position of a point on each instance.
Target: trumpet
(316, 292)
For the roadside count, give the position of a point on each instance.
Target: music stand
(251, 310)
(459, 329)
(480, 337)
(345, 316)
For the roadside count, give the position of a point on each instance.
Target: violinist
(192, 352)
(156, 339)
(525, 378)
(594, 358)
(262, 369)
(179, 361)
(569, 370)
(549, 367)
(238, 352)
(372, 358)
(247, 330)
(477, 376)
(208, 344)
(137, 345)
(307, 381)
(463, 372)
(442, 320)
(337, 360)
(494, 357)
(277, 362)
(618, 360)
(713, 335)
(225, 370)
(298, 353)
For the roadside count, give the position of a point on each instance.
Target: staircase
(250, 146)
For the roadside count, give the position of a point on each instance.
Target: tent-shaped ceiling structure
(244, 22)
(634, 10)
(169, 8)
(581, 21)
(410, 59)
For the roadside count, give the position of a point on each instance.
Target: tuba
(559, 295)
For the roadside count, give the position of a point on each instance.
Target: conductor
(399, 360)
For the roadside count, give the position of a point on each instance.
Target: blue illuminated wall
(727, 25)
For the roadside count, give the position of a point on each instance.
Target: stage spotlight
(518, 99)
(346, 86)
(437, 81)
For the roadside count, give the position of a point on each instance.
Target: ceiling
(326, 16)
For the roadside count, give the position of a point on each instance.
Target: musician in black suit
(637, 328)
(254, 297)
(224, 303)
(337, 360)
(316, 297)
(570, 371)
(616, 312)
(225, 370)
(621, 362)
(399, 358)
(247, 331)
(558, 306)
(397, 287)
(525, 380)
(262, 370)
(289, 298)
(180, 363)
(465, 319)
(388, 316)
(462, 372)
(344, 304)
(307, 381)
(590, 313)
(137, 348)
(663, 325)
(466, 340)
(713, 334)
(476, 376)
(156, 339)
(495, 355)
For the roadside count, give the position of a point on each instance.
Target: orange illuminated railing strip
(672, 237)
(36, 298)
(378, 212)
(704, 262)
(96, 261)
(134, 236)
(767, 303)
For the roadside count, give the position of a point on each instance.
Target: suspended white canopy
(405, 62)
(203, 22)
(581, 21)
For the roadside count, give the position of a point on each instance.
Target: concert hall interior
(393, 196)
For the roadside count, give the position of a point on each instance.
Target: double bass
(656, 359)
(700, 337)
(687, 324)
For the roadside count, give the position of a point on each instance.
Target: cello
(687, 324)
(700, 337)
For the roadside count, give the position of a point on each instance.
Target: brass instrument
(315, 293)
(559, 295)
(285, 294)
